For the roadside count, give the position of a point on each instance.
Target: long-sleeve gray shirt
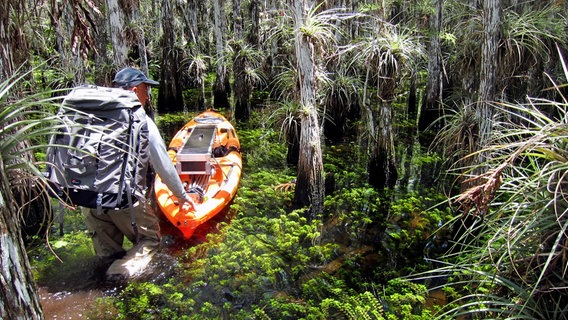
(161, 161)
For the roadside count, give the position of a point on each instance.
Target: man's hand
(186, 203)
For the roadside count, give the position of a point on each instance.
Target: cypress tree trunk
(488, 72)
(309, 183)
(18, 293)
(116, 25)
(221, 87)
(135, 21)
(430, 111)
(241, 88)
(170, 96)
(254, 14)
(13, 43)
(382, 166)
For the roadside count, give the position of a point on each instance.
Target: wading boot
(134, 263)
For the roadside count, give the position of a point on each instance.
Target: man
(110, 228)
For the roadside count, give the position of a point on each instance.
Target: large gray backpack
(99, 157)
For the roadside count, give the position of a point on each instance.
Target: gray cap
(130, 77)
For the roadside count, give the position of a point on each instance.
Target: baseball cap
(130, 77)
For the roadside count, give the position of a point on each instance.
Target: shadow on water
(73, 289)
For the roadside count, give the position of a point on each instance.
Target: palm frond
(25, 126)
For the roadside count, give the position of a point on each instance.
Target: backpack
(98, 158)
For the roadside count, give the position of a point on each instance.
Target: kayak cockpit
(194, 160)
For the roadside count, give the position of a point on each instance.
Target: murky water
(67, 305)
(73, 297)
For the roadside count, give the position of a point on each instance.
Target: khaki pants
(111, 226)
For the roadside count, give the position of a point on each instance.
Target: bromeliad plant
(511, 261)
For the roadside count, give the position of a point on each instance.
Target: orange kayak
(207, 156)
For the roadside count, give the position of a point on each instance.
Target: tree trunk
(488, 72)
(138, 31)
(116, 26)
(309, 183)
(241, 89)
(170, 95)
(102, 59)
(430, 110)
(19, 298)
(220, 89)
(382, 166)
(190, 16)
(254, 14)
(408, 138)
(13, 43)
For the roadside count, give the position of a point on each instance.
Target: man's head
(135, 80)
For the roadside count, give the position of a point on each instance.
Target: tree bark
(309, 183)
(220, 89)
(18, 293)
(135, 21)
(383, 172)
(116, 26)
(488, 72)
(254, 14)
(241, 88)
(102, 59)
(430, 109)
(170, 95)
(13, 43)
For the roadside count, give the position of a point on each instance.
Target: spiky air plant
(247, 67)
(25, 125)
(529, 37)
(457, 136)
(386, 53)
(511, 261)
(197, 66)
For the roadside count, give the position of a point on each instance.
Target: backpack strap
(132, 181)
(132, 217)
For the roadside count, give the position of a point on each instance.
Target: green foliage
(151, 301)
(103, 309)
(258, 257)
(361, 306)
(261, 150)
(169, 124)
(406, 299)
(57, 260)
(412, 221)
(355, 208)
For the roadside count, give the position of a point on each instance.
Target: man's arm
(162, 163)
